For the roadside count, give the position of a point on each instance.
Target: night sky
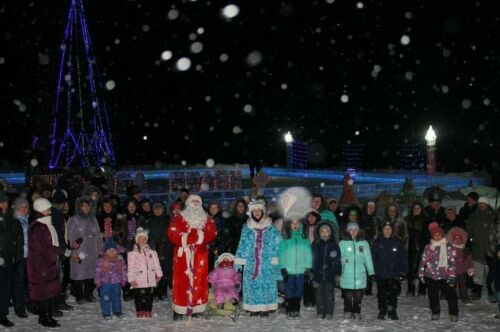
(332, 72)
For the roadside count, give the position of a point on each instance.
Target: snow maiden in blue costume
(258, 253)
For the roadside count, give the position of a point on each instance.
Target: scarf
(443, 251)
(47, 220)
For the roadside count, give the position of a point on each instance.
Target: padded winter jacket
(429, 263)
(143, 267)
(389, 258)
(295, 253)
(356, 263)
(326, 257)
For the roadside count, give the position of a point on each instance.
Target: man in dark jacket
(11, 252)
(391, 264)
(482, 233)
(469, 207)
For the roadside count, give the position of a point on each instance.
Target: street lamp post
(430, 138)
(289, 141)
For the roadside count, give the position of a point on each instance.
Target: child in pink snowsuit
(225, 280)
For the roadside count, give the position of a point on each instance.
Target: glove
(451, 282)
(284, 274)
(422, 279)
(76, 244)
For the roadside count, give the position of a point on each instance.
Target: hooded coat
(356, 263)
(86, 227)
(326, 256)
(389, 258)
(482, 232)
(295, 251)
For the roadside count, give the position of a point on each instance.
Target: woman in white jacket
(144, 272)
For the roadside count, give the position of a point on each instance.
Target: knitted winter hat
(41, 204)
(352, 225)
(484, 200)
(141, 232)
(474, 195)
(110, 244)
(434, 228)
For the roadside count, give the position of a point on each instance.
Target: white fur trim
(183, 310)
(260, 307)
(240, 261)
(263, 223)
(274, 261)
(201, 236)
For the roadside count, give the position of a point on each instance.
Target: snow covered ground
(413, 313)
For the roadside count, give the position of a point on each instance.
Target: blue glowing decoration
(353, 156)
(297, 154)
(413, 157)
(80, 129)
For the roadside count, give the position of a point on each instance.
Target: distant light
(356, 133)
(183, 64)
(183, 163)
(230, 11)
(34, 162)
(288, 137)
(166, 55)
(360, 5)
(430, 136)
(405, 40)
(145, 138)
(210, 163)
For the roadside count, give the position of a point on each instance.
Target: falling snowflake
(230, 11)
(166, 55)
(183, 64)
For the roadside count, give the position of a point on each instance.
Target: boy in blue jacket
(391, 264)
(326, 265)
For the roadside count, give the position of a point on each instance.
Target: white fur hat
(484, 200)
(41, 204)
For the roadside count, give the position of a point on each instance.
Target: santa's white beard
(195, 217)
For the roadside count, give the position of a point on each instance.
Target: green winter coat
(356, 262)
(295, 253)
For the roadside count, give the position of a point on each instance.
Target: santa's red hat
(434, 228)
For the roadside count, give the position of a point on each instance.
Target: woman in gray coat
(83, 261)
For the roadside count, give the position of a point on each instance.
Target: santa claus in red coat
(191, 232)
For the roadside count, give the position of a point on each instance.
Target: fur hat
(434, 228)
(158, 205)
(141, 232)
(41, 204)
(474, 195)
(59, 196)
(352, 225)
(223, 257)
(484, 200)
(110, 244)
(454, 232)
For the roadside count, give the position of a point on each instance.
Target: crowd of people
(74, 238)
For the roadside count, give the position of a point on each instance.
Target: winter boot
(45, 317)
(356, 316)
(288, 308)
(6, 322)
(348, 315)
(453, 319)
(234, 301)
(177, 316)
(476, 292)
(296, 311)
(435, 317)
(393, 315)
(264, 314)
(381, 315)
(61, 303)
